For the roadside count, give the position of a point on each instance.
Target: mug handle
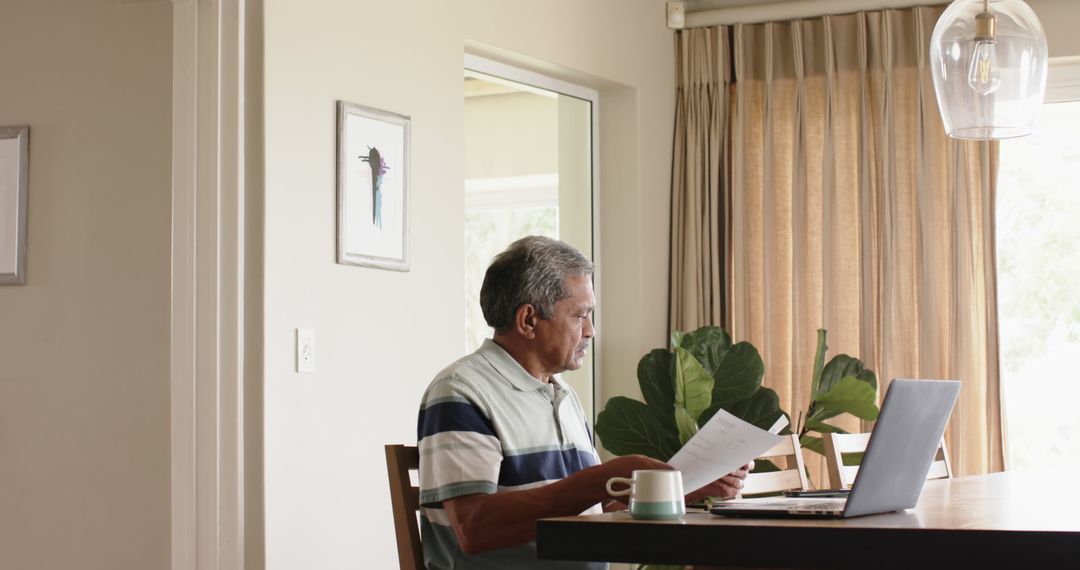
(615, 481)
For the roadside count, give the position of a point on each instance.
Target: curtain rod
(679, 18)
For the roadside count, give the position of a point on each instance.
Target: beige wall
(1059, 19)
(84, 345)
(382, 335)
(514, 134)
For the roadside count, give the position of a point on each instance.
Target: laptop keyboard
(832, 505)
(786, 505)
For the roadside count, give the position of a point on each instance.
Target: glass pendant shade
(988, 60)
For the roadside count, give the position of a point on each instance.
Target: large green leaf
(764, 466)
(738, 375)
(815, 444)
(850, 395)
(627, 426)
(852, 458)
(762, 409)
(842, 366)
(686, 425)
(656, 377)
(822, 427)
(693, 386)
(819, 413)
(708, 345)
(838, 367)
(868, 376)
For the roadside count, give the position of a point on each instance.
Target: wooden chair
(405, 500)
(842, 476)
(791, 476)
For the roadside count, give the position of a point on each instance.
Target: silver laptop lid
(902, 446)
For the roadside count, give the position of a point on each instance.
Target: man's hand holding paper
(711, 460)
(726, 487)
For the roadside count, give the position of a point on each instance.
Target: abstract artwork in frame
(14, 164)
(373, 187)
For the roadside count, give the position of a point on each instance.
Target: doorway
(529, 170)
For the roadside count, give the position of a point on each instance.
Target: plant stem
(819, 363)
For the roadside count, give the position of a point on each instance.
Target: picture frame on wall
(14, 168)
(372, 187)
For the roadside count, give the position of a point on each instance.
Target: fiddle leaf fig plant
(683, 388)
(843, 385)
(705, 372)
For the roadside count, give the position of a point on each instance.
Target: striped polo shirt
(487, 426)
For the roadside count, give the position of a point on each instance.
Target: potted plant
(683, 387)
(703, 372)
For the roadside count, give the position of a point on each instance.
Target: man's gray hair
(533, 270)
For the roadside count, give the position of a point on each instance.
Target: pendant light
(988, 60)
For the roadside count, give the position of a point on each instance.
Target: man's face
(563, 339)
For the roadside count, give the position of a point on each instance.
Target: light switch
(305, 350)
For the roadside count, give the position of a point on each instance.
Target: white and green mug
(655, 494)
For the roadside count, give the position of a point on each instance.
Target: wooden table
(1004, 519)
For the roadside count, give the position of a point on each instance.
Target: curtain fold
(841, 204)
(699, 233)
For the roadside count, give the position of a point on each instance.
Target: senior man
(503, 441)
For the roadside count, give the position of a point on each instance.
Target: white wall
(382, 335)
(84, 378)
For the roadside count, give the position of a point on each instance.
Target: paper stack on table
(721, 446)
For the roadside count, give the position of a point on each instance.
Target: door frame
(208, 283)
(500, 70)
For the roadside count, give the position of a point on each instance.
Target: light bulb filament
(983, 71)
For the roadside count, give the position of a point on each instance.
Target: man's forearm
(487, 522)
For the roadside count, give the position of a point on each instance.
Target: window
(1038, 256)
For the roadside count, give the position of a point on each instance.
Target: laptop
(894, 467)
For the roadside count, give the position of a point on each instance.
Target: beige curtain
(700, 170)
(851, 210)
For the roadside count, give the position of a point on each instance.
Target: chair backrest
(792, 474)
(405, 500)
(842, 476)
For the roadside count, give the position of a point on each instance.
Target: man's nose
(589, 330)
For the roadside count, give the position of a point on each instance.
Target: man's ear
(525, 321)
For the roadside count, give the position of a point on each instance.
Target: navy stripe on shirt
(452, 416)
(543, 466)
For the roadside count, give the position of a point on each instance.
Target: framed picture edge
(22, 135)
(344, 109)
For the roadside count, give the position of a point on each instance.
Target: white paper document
(721, 446)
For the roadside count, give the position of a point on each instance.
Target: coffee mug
(655, 494)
